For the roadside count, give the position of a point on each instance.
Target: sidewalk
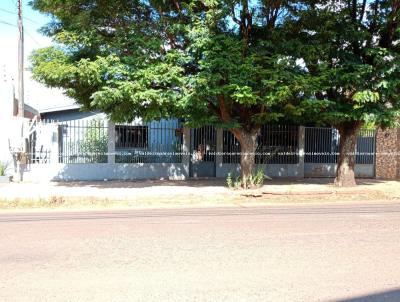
(165, 193)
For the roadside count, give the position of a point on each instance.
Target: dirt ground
(166, 193)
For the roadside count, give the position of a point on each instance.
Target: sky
(36, 94)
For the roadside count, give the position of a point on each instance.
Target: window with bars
(129, 137)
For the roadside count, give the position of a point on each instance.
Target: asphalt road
(291, 253)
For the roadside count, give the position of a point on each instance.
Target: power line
(7, 11)
(14, 2)
(4, 22)
(27, 32)
(25, 18)
(33, 39)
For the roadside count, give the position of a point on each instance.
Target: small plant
(3, 168)
(229, 181)
(238, 183)
(256, 180)
(233, 183)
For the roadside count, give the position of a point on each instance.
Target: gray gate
(203, 149)
(322, 152)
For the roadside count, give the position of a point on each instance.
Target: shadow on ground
(198, 183)
(386, 296)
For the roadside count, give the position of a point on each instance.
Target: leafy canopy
(226, 62)
(219, 62)
(351, 50)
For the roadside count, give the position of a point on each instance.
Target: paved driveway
(296, 253)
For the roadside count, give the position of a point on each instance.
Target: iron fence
(82, 141)
(153, 142)
(203, 143)
(322, 146)
(86, 141)
(277, 144)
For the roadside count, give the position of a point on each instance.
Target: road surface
(276, 253)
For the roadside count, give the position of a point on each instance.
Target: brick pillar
(387, 159)
(398, 153)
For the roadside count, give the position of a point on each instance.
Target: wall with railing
(97, 149)
(322, 152)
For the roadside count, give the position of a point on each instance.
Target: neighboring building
(29, 112)
(11, 132)
(65, 113)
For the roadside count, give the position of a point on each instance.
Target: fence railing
(87, 141)
(322, 146)
(83, 141)
(277, 144)
(204, 143)
(154, 142)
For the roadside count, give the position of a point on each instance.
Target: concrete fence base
(76, 172)
(173, 171)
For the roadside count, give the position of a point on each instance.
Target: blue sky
(35, 94)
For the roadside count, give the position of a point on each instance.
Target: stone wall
(387, 154)
(398, 153)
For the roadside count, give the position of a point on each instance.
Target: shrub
(94, 144)
(256, 180)
(3, 168)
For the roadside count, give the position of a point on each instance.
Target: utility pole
(21, 106)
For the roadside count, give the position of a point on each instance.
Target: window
(127, 137)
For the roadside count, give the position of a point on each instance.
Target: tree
(350, 51)
(209, 62)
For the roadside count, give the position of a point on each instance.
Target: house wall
(7, 123)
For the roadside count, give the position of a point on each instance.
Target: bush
(94, 146)
(3, 168)
(256, 180)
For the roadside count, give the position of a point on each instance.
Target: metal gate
(322, 152)
(203, 152)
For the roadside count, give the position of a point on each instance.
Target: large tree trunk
(248, 145)
(345, 176)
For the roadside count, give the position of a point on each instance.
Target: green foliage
(255, 180)
(319, 62)
(3, 168)
(154, 60)
(351, 53)
(94, 144)
(229, 181)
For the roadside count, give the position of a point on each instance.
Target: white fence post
(219, 150)
(54, 151)
(301, 142)
(186, 151)
(111, 142)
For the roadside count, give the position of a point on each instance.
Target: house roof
(61, 108)
(31, 109)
